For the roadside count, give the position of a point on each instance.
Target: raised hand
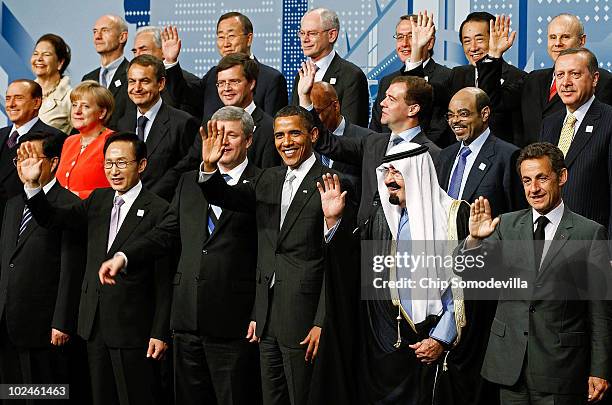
(307, 78)
(212, 145)
(423, 31)
(481, 223)
(500, 38)
(171, 44)
(332, 199)
(29, 165)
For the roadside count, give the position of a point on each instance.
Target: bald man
(326, 104)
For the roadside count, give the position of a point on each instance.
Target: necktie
(114, 222)
(553, 90)
(567, 133)
(286, 196)
(12, 140)
(394, 140)
(214, 212)
(141, 124)
(457, 177)
(404, 246)
(103, 73)
(325, 161)
(539, 237)
(25, 218)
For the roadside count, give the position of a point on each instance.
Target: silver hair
(120, 21)
(232, 113)
(156, 31)
(329, 18)
(575, 19)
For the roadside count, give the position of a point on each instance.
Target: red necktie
(553, 90)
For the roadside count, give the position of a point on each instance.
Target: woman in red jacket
(81, 168)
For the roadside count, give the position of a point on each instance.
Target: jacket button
(526, 333)
(204, 252)
(531, 309)
(12, 265)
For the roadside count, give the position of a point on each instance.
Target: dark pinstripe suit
(588, 189)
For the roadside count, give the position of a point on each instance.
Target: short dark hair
(51, 143)
(592, 63)
(247, 25)
(35, 89)
(418, 91)
(542, 149)
(482, 100)
(150, 60)
(62, 50)
(140, 148)
(249, 66)
(292, 111)
(477, 16)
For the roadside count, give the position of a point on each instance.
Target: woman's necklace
(85, 144)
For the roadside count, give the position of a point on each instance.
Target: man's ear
(562, 177)
(314, 135)
(142, 165)
(413, 110)
(485, 113)
(162, 84)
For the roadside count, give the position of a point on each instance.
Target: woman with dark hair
(49, 61)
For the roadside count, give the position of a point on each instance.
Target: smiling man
(125, 326)
(167, 131)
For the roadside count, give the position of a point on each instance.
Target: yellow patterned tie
(567, 133)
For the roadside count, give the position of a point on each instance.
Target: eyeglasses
(233, 83)
(230, 38)
(312, 34)
(397, 175)
(461, 115)
(401, 37)
(121, 164)
(17, 160)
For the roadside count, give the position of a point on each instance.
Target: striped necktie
(25, 218)
(213, 217)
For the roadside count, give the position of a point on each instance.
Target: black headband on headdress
(402, 155)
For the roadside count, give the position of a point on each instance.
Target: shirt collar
(340, 130)
(250, 108)
(48, 186)
(304, 168)
(325, 61)
(477, 143)
(409, 134)
(132, 193)
(25, 128)
(582, 110)
(114, 64)
(407, 68)
(152, 113)
(554, 216)
(236, 172)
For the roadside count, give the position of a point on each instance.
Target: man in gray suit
(545, 346)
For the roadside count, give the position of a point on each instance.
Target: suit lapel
(476, 174)
(447, 166)
(14, 220)
(159, 130)
(305, 191)
(332, 71)
(591, 119)
(559, 240)
(131, 221)
(119, 78)
(526, 239)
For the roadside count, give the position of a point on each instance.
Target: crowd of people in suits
(169, 239)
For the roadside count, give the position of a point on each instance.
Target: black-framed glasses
(121, 164)
(17, 160)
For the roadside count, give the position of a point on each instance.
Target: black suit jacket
(10, 185)
(214, 284)
(119, 92)
(172, 133)
(437, 129)
(41, 272)
(498, 180)
(270, 90)
(535, 106)
(588, 190)
(351, 86)
(138, 306)
(294, 253)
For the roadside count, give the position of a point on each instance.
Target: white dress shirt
(580, 113)
(151, 114)
(128, 200)
(554, 218)
(323, 65)
(24, 129)
(111, 69)
(475, 147)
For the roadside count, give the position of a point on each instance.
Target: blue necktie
(325, 160)
(212, 217)
(141, 123)
(25, 218)
(457, 177)
(404, 246)
(103, 73)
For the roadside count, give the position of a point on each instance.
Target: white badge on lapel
(140, 213)
(117, 83)
(482, 166)
(589, 128)
(332, 80)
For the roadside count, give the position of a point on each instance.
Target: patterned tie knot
(290, 177)
(11, 142)
(227, 177)
(571, 119)
(465, 151)
(395, 139)
(118, 202)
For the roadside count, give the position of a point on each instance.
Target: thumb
(306, 340)
(151, 349)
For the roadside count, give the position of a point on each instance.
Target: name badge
(140, 213)
(589, 128)
(117, 83)
(482, 166)
(332, 80)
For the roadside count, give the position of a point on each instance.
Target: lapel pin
(332, 80)
(589, 128)
(482, 166)
(254, 128)
(305, 191)
(426, 79)
(117, 83)
(140, 213)
(501, 81)
(245, 181)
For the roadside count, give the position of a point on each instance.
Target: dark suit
(437, 130)
(535, 332)
(117, 321)
(351, 86)
(293, 256)
(171, 135)
(119, 92)
(588, 190)
(535, 106)
(39, 290)
(10, 185)
(214, 291)
(270, 91)
(498, 180)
